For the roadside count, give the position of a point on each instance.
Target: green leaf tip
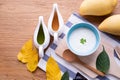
(65, 76)
(103, 62)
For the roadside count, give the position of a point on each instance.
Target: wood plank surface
(18, 19)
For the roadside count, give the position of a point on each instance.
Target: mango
(111, 25)
(97, 7)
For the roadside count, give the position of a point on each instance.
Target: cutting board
(91, 59)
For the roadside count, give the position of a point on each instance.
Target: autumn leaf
(52, 70)
(32, 63)
(28, 54)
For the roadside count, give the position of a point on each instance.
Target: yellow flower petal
(52, 70)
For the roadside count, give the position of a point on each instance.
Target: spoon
(117, 49)
(67, 54)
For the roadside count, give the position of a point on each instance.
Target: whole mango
(111, 25)
(97, 7)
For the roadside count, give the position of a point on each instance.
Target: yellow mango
(111, 25)
(97, 7)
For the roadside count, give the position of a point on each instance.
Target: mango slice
(97, 8)
(111, 25)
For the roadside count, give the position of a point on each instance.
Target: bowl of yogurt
(83, 39)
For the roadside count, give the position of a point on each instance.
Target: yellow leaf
(32, 64)
(19, 56)
(28, 54)
(27, 46)
(52, 70)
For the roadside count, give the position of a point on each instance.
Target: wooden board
(91, 60)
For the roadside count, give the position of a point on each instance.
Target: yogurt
(82, 40)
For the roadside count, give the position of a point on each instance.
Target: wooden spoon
(67, 54)
(117, 49)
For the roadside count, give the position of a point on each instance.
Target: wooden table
(18, 19)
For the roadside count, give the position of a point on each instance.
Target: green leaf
(82, 41)
(103, 62)
(65, 76)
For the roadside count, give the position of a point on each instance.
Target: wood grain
(18, 19)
